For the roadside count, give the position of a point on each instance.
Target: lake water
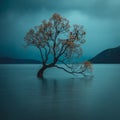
(61, 96)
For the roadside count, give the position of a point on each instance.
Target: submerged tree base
(40, 75)
(41, 72)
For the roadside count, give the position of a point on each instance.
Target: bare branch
(41, 55)
(65, 64)
(63, 50)
(64, 69)
(47, 53)
(71, 72)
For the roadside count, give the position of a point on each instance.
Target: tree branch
(54, 42)
(41, 55)
(71, 72)
(65, 64)
(47, 54)
(62, 52)
(63, 69)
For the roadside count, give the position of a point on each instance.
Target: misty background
(100, 18)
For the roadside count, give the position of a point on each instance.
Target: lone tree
(58, 42)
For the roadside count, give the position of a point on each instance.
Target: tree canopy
(58, 41)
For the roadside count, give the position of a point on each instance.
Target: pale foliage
(59, 41)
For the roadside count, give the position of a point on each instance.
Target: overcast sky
(101, 20)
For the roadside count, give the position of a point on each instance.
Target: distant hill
(5, 60)
(107, 56)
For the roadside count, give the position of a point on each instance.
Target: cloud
(95, 8)
(100, 17)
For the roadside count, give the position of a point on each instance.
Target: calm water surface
(60, 96)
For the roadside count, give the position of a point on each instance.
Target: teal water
(60, 96)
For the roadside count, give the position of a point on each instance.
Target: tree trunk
(43, 68)
(41, 72)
